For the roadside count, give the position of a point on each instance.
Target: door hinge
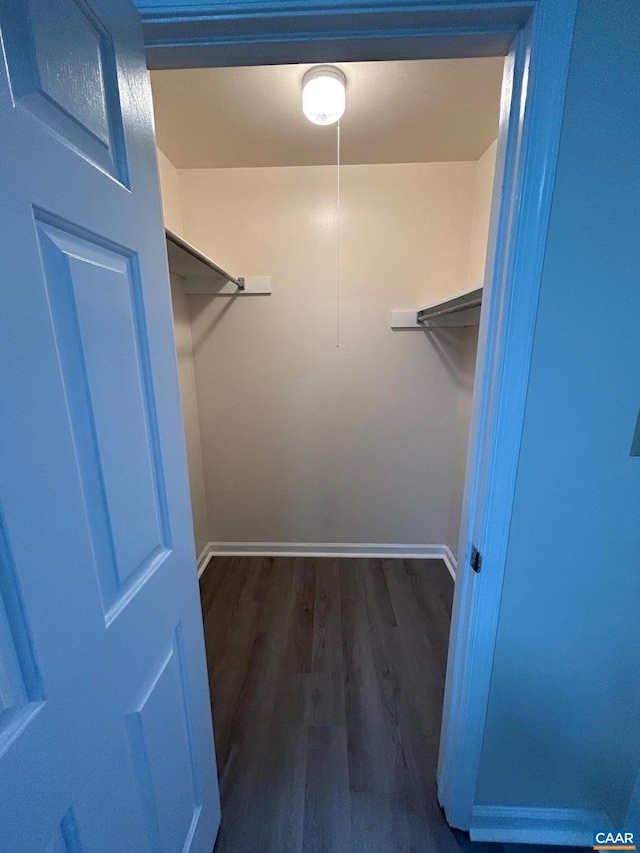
(476, 559)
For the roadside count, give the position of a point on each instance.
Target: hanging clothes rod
(187, 261)
(427, 314)
(469, 300)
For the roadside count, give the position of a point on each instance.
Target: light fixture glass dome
(323, 94)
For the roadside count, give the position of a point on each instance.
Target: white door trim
(536, 73)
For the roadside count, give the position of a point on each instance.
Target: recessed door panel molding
(66, 77)
(160, 740)
(65, 838)
(20, 684)
(95, 300)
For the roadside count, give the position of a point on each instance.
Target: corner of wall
(170, 191)
(478, 240)
(483, 190)
(172, 211)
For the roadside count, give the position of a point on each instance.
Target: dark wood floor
(327, 680)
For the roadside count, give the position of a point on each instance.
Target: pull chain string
(338, 224)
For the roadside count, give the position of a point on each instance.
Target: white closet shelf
(463, 309)
(204, 277)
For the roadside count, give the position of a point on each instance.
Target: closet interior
(326, 400)
(327, 289)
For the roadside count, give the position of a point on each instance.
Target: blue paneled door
(105, 728)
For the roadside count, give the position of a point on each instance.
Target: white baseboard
(203, 559)
(327, 549)
(519, 825)
(450, 561)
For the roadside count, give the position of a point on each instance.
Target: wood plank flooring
(327, 680)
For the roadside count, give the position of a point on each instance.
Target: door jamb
(539, 33)
(528, 145)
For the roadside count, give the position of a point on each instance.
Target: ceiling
(412, 111)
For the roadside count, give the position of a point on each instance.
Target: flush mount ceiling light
(323, 94)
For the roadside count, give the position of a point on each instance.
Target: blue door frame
(536, 37)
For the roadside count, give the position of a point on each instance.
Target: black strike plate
(476, 559)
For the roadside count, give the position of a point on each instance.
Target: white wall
(170, 190)
(468, 345)
(483, 190)
(188, 397)
(184, 352)
(303, 441)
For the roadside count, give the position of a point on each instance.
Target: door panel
(105, 728)
(20, 685)
(73, 91)
(164, 769)
(98, 318)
